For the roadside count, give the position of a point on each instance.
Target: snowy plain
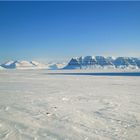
(59, 105)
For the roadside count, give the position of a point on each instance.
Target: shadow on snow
(101, 74)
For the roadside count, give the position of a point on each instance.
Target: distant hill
(23, 65)
(30, 65)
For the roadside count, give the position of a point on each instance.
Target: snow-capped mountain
(87, 62)
(55, 66)
(90, 62)
(31, 65)
(23, 65)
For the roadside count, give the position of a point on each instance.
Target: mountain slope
(31, 65)
(91, 62)
(23, 65)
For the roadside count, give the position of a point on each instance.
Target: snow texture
(57, 105)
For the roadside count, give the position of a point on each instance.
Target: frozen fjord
(35, 105)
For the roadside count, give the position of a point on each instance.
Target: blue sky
(57, 31)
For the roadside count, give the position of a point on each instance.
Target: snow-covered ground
(37, 105)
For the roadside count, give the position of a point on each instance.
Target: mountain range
(87, 62)
(30, 65)
(91, 62)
